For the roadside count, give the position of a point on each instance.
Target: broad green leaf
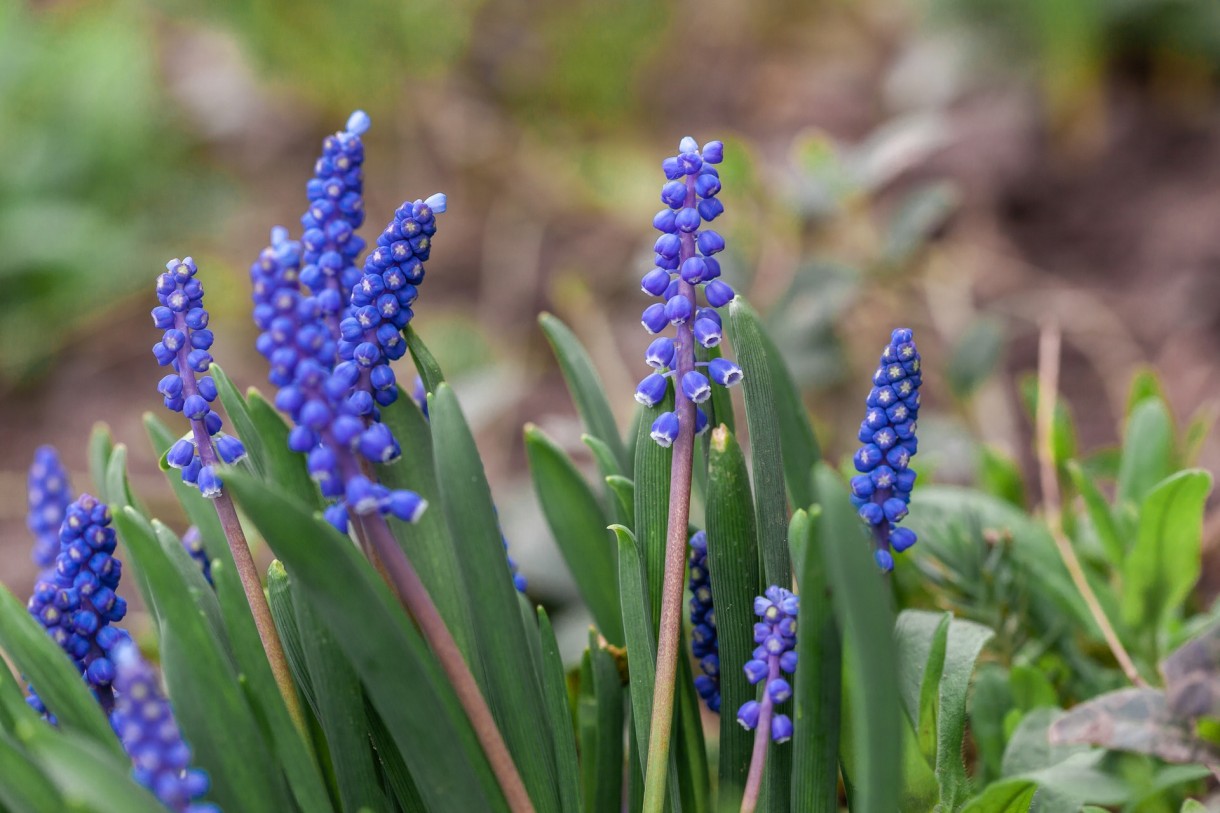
(989, 705)
(25, 787)
(578, 526)
(974, 356)
(817, 690)
(1100, 515)
(425, 362)
(966, 641)
(601, 726)
(732, 561)
(585, 386)
(1000, 476)
(1147, 456)
(51, 672)
(100, 445)
(285, 467)
(432, 732)
(88, 776)
(1031, 688)
(509, 681)
(1165, 562)
(800, 445)
(624, 496)
(862, 607)
(239, 415)
(222, 733)
(762, 398)
(559, 717)
(923, 638)
(426, 542)
(341, 714)
(1193, 806)
(1144, 386)
(1009, 796)
(651, 483)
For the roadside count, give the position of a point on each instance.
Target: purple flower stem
(419, 605)
(674, 578)
(240, 548)
(762, 738)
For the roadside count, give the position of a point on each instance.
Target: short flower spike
(76, 600)
(704, 642)
(145, 724)
(49, 493)
(882, 490)
(684, 260)
(775, 635)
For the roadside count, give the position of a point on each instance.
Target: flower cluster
(49, 494)
(329, 331)
(371, 336)
(192, 541)
(703, 639)
(336, 210)
(145, 724)
(184, 347)
(882, 490)
(776, 651)
(685, 259)
(76, 601)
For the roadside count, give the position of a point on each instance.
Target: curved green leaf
(559, 717)
(425, 362)
(239, 414)
(1009, 796)
(25, 786)
(1147, 456)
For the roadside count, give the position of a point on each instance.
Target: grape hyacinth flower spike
(184, 348)
(775, 635)
(684, 262)
(882, 490)
(49, 493)
(77, 601)
(145, 724)
(704, 643)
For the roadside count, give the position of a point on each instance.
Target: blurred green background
(970, 168)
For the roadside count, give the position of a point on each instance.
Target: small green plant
(391, 659)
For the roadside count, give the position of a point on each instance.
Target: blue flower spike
(145, 724)
(774, 656)
(705, 645)
(329, 243)
(184, 348)
(684, 262)
(77, 602)
(882, 489)
(49, 493)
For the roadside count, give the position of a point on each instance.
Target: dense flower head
(145, 724)
(775, 635)
(371, 334)
(882, 490)
(685, 260)
(705, 644)
(192, 541)
(184, 348)
(336, 210)
(49, 493)
(76, 600)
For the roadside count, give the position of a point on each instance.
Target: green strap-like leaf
(1009, 796)
(200, 512)
(25, 786)
(1147, 456)
(100, 446)
(578, 525)
(559, 717)
(762, 417)
(426, 542)
(601, 727)
(800, 446)
(222, 732)
(512, 692)
(284, 467)
(51, 672)
(624, 495)
(585, 386)
(817, 689)
(425, 362)
(862, 607)
(651, 481)
(1099, 514)
(89, 777)
(732, 560)
(388, 653)
(243, 425)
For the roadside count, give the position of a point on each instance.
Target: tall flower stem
(259, 608)
(673, 581)
(762, 739)
(419, 605)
